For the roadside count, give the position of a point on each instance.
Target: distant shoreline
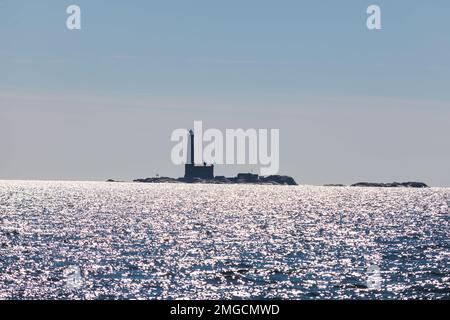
(254, 179)
(414, 185)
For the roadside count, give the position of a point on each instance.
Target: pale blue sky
(351, 104)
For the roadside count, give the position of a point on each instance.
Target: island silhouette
(204, 173)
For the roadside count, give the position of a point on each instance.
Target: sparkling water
(91, 240)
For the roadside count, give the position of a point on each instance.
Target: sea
(98, 240)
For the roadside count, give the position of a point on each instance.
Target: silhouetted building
(191, 170)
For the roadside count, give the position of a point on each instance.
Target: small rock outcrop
(283, 180)
(391, 185)
(157, 180)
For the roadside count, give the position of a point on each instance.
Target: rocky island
(383, 185)
(391, 185)
(204, 173)
(241, 178)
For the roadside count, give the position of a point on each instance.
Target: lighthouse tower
(192, 171)
(190, 152)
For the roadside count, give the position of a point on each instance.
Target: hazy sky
(351, 104)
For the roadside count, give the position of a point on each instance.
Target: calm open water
(164, 241)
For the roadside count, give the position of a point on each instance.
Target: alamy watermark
(73, 278)
(73, 22)
(374, 278)
(236, 146)
(374, 19)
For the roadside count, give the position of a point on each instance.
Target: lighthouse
(193, 171)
